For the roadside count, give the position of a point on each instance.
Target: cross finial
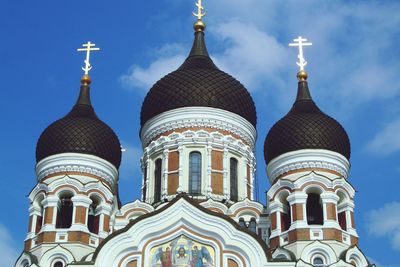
(301, 42)
(200, 14)
(88, 47)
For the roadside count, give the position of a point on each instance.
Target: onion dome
(305, 127)
(198, 82)
(80, 131)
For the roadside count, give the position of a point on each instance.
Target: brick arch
(279, 191)
(96, 191)
(62, 188)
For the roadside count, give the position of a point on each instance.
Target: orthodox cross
(200, 14)
(88, 47)
(300, 42)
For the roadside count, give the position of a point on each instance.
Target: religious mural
(182, 252)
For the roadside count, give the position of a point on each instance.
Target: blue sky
(353, 75)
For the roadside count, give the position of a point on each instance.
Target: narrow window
(157, 180)
(195, 173)
(342, 220)
(234, 179)
(315, 214)
(64, 212)
(93, 218)
(285, 218)
(39, 223)
(144, 183)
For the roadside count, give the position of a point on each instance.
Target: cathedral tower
(310, 202)
(78, 157)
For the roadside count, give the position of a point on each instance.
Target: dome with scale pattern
(305, 127)
(80, 131)
(198, 82)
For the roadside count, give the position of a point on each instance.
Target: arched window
(253, 225)
(341, 212)
(286, 217)
(64, 212)
(157, 180)
(93, 217)
(318, 262)
(195, 173)
(315, 214)
(58, 264)
(39, 218)
(234, 179)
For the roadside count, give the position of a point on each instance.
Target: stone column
(50, 206)
(81, 205)
(165, 172)
(180, 169)
(34, 213)
(297, 202)
(275, 209)
(329, 202)
(208, 174)
(225, 168)
(104, 212)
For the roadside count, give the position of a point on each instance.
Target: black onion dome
(305, 127)
(80, 131)
(198, 82)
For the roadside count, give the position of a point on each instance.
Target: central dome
(198, 82)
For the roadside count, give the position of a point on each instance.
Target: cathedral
(197, 206)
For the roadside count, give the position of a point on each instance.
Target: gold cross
(88, 47)
(200, 14)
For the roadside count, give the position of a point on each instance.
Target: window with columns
(64, 211)
(157, 180)
(315, 213)
(195, 173)
(233, 179)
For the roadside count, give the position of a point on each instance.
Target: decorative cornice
(76, 162)
(308, 159)
(214, 139)
(193, 117)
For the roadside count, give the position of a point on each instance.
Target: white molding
(308, 159)
(175, 220)
(77, 162)
(198, 117)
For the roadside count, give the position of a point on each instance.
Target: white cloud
(8, 254)
(252, 56)
(351, 53)
(130, 164)
(387, 141)
(386, 222)
(144, 78)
